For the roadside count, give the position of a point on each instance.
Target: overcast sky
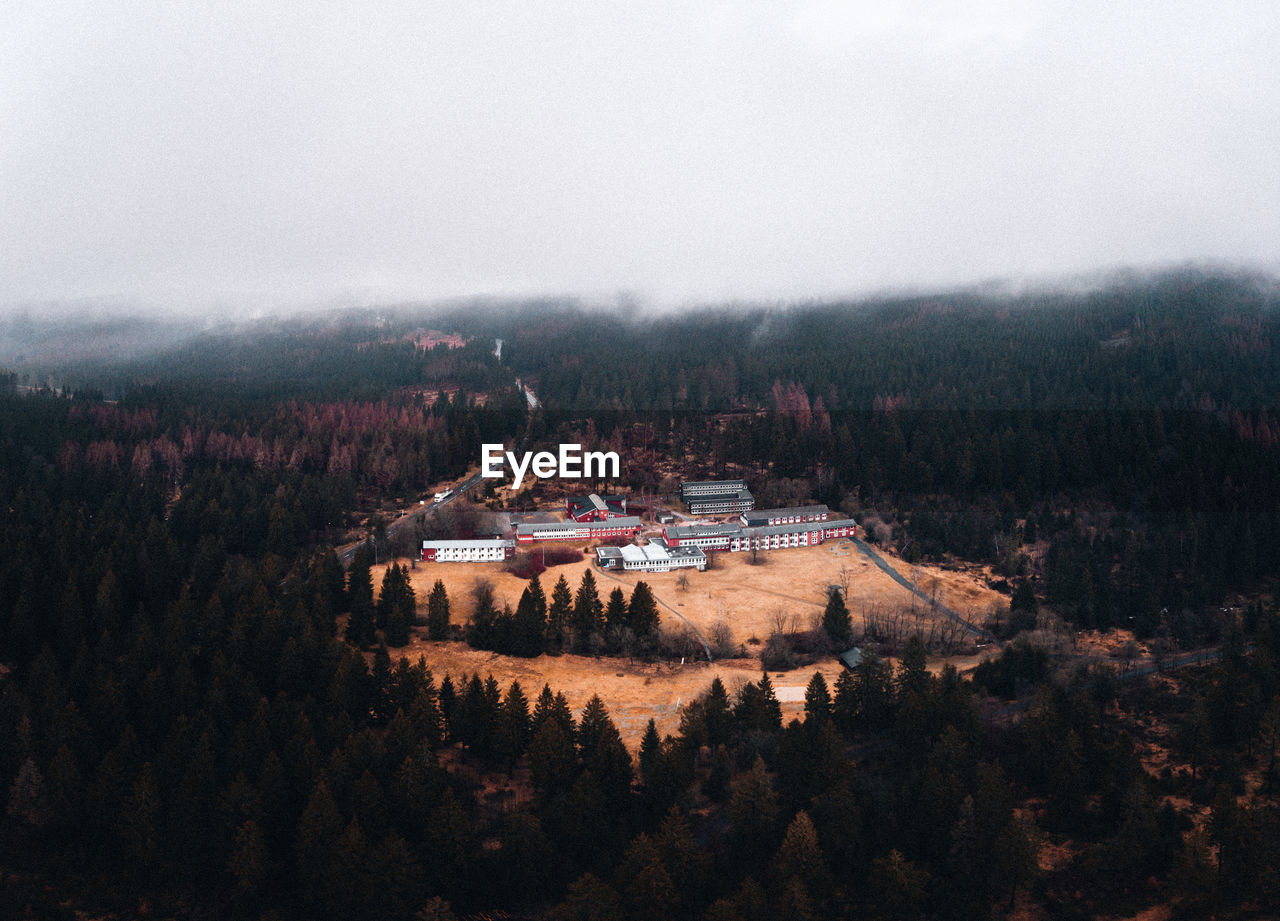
(194, 154)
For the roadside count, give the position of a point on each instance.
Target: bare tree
(682, 582)
(781, 621)
(846, 577)
(721, 639)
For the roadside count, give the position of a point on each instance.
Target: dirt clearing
(790, 585)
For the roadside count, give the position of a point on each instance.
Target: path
(865, 550)
(1186, 660)
(696, 632)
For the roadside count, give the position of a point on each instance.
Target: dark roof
(796, 511)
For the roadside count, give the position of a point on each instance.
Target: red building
(574, 530)
(596, 508)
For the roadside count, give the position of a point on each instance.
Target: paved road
(1186, 660)
(347, 554)
(896, 576)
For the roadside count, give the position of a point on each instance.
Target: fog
(236, 157)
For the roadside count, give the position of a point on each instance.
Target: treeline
(326, 359)
(182, 727)
(277, 479)
(1117, 447)
(1184, 339)
(569, 622)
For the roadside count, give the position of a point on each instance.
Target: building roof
(477, 543)
(795, 511)
(693, 531)
(629, 521)
(655, 551)
(731, 496)
(851, 658)
(595, 501)
(796, 527)
(727, 486)
(685, 551)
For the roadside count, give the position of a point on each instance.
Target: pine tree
(249, 861)
(28, 797)
(616, 618)
(602, 752)
(589, 899)
(717, 715)
(360, 626)
(482, 631)
(753, 813)
(553, 763)
(559, 614)
(450, 842)
(898, 887)
(646, 886)
(642, 611)
(836, 620)
(817, 700)
(800, 855)
(650, 753)
(141, 821)
(913, 672)
(438, 612)
(588, 618)
(513, 731)
(530, 622)
(394, 596)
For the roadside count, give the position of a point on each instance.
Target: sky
(200, 155)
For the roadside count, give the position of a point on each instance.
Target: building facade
(703, 536)
(627, 527)
(716, 497)
(763, 518)
(736, 538)
(654, 556)
(467, 551)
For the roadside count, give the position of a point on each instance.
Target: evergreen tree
(753, 814)
(530, 621)
(589, 899)
(650, 753)
(438, 612)
(817, 700)
(249, 862)
(556, 707)
(800, 855)
(318, 829)
(616, 620)
(514, 728)
(897, 887)
(601, 749)
(360, 626)
(587, 613)
(642, 611)
(553, 763)
(836, 621)
(559, 615)
(913, 672)
(482, 632)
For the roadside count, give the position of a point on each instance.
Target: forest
(202, 713)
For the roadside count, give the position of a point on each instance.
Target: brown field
(791, 584)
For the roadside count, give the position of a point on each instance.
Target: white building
(467, 551)
(654, 556)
